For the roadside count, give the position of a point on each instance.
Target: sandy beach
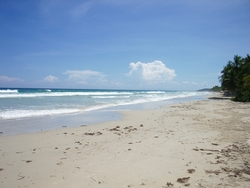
(194, 144)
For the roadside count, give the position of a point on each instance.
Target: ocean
(21, 105)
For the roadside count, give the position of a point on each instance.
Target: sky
(125, 44)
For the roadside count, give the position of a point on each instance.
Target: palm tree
(243, 90)
(230, 74)
(236, 78)
(246, 80)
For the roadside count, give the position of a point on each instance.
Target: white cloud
(50, 79)
(86, 76)
(195, 83)
(154, 72)
(6, 79)
(190, 83)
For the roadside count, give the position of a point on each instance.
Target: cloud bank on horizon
(152, 73)
(120, 44)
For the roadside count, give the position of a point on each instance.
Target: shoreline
(88, 118)
(197, 144)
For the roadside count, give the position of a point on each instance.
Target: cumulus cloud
(85, 76)
(50, 79)
(154, 72)
(6, 79)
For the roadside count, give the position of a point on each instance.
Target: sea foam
(8, 91)
(22, 103)
(15, 114)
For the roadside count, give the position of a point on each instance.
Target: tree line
(235, 78)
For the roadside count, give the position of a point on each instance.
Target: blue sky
(125, 44)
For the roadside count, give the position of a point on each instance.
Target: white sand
(203, 141)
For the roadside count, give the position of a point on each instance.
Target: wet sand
(194, 144)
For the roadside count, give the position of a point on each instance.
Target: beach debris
(60, 163)
(216, 172)
(141, 125)
(130, 128)
(64, 126)
(236, 171)
(183, 180)
(1, 132)
(1, 169)
(191, 171)
(99, 182)
(92, 134)
(56, 147)
(218, 162)
(142, 184)
(229, 155)
(211, 150)
(28, 161)
(78, 142)
(134, 129)
(215, 144)
(247, 164)
(169, 184)
(65, 133)
(21, 177)
(217, 157)
(115, 128)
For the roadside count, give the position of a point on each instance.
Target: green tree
(236, 78)
(243, 89)
(216, 89)
(230, 74)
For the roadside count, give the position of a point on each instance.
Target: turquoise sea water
(20, 106)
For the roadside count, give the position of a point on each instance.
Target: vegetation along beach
(124, 94)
